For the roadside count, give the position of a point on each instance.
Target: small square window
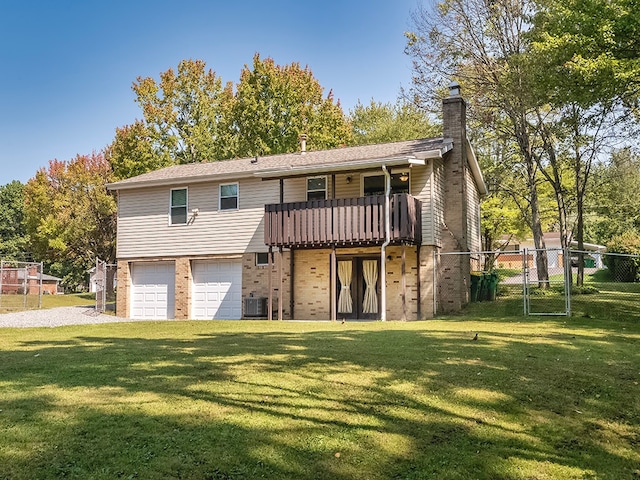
(229, 196)
(262, 259)
(316, 188)
(178, 206)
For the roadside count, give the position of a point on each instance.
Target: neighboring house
(95, 279)
(27, 280)
(553, 247)
(304, 235)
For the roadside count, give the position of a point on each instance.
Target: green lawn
(530, 399)
(12, 303)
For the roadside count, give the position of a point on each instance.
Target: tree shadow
(340, 404)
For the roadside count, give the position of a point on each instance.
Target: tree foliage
(191, 116)
(184, 113)
(132, 152)
(71, 217)
(591, 50)
(14, 241)
(275, 104)
(385, 122)
(612, 204)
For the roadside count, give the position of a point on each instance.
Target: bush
(624, 268)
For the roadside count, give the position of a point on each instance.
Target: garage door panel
(153, 287)
(217, 290)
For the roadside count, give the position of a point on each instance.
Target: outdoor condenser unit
(255, 307)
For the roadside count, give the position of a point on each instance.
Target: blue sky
(67, 66)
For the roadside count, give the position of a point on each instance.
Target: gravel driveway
(57, 317)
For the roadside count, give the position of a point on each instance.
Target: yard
(551, 398)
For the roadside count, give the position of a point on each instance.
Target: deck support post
(270, 267)
(334, 272)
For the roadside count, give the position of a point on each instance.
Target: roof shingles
(250, 166)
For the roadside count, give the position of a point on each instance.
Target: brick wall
(255, 280)
(183, 288)
(123, 289)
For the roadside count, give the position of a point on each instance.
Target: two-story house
(348, 233)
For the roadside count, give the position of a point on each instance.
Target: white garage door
(217, 290)
(152, 290)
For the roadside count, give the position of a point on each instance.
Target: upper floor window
(178, 206)
(317, 188)
(229, 196)
(374, 184)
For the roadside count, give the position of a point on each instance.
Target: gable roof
(293, 164)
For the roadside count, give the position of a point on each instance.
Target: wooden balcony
(342, 222)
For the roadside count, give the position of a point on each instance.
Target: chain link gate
(104, 283)
(548, 294)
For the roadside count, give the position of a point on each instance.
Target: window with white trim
(316, 188)
(178, 206)
(229, 196)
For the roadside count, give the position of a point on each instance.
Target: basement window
(262, 259)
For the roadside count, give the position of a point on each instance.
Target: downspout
(387, 241)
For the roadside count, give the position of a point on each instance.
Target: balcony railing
(342, 222)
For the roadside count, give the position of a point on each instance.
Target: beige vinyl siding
(420, 188)
(438, 201)
(144, 230)
(473, 214)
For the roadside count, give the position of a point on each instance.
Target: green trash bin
(492, 286)
(476, 284)
(589, 262)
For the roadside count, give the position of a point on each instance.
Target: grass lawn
(551, 398)
(12, 303)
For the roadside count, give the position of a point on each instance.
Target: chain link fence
(543, 282)
(21, 285)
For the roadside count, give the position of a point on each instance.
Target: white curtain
(345, 304)
(370, 272)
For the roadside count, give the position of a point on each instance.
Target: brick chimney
(454, 270)
(454, 127)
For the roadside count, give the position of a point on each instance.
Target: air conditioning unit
(255, 307)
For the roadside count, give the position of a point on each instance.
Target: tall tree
(591, 48)
(184, 113)
(385, 122)
(70, 216)
(483, 45)
(132, 152)
(276, 104)
(14, 241)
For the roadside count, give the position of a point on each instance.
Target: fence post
(568, 275)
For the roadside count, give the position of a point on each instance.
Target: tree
(275, 104)
(14, 241)
(386, 122)
(612, 202)
(592, 49)
(588, 59)
(185, 114)
(483, 45)
(132, 152)
(71, 217)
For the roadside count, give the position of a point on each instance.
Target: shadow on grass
(340, 404)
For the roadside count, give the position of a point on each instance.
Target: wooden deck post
(280, 267)
(404, 283)
(334, 272)
(270, 267)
